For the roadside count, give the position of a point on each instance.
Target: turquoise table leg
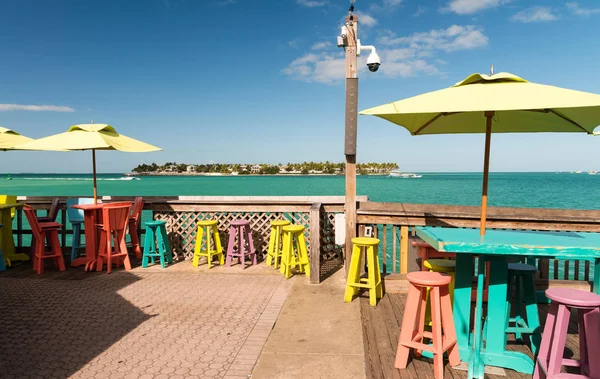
(462, 303)
(495, 351)
(597, 276)
(476, 365)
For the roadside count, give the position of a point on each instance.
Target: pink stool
(550, 359)
(241, 228)
(412, 332)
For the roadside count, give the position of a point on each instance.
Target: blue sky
(262, 81)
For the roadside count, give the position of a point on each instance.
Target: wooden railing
(181, 213)
(395, 220)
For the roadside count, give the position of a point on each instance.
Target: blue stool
(76, 218)
(521, 277)
(156, 244)
(2, 264)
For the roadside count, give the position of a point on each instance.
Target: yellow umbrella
(508, 104)
(89, 137)
(10, 138)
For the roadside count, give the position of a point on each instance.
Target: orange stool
(115, 217)
(44, 231)
(412, 333)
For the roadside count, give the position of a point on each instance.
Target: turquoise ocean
(538, 190)
(535, 190)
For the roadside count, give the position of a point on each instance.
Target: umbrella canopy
(507, 103)
(89, 137)
(10, 138)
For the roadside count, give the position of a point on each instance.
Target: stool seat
(280, 223)
(365, 241)
(428, 279)
(207, 223)
(574, 298)
(240, 222)
(440, 265)
(156, 223)
(293, 228)
(522, 267)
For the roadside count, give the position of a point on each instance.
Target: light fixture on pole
(348, 39)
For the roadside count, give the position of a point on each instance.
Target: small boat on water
(405, 175)
(592, 172)
(130, 178)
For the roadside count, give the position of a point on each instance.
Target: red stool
(550, 358)
(113, 249)
(412, 332)
(44, 231)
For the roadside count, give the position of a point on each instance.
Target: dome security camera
(373, 61)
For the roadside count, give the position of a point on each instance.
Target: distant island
(217, 169)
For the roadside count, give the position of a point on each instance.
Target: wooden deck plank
(380, 355)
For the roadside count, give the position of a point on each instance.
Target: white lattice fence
(182, 228)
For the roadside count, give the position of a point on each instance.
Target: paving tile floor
(136, 324)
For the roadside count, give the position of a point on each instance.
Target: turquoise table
(495, 247)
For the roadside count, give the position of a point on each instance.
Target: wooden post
(350, 133)
(404, 249)
(315, 243)
(486, 171)
(94, 168)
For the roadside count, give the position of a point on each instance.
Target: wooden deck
(381, 328)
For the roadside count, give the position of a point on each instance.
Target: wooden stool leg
(168, 252)
(123, 249)
(422, 309)
(378, 279)
(218, 246)
(57, 251)
(76, 241)
(559, 340)
(102, 251)
(286, 255)
(543, 355)
(278, 249)
(242, 246)
(448, 326)
(371, 276)
(148, 241)
(304, 263)
(135, 239)
(531, 310)
(436, 332)
(39, 253)
(208, 248)
(519, 307)
(197, 247)
(251, 245)
(161, 247)
(271, 249)
(407, 329)
(591, 322)
(230, 246)
(353, 275)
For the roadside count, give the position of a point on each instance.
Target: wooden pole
(350, 133)
(94, 168)
(486, 171)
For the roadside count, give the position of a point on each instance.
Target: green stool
(156, 244)
(521, 277)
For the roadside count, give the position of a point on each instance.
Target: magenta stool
(550, 359)
(241, 228)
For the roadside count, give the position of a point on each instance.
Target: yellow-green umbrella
(501, 103)
(10, 138)
(89, 137)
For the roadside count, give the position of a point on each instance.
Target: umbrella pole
(486, 171)
(94, 168)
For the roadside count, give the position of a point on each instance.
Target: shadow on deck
(381, 328)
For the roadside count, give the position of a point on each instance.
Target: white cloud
(322, 45)
(472, 6)
(386, 5)
(412, 55)
(366, 19)
(294, 43)
(454, 38)
(534, 14)
(577, 10)
(312, 3)
(35, 108)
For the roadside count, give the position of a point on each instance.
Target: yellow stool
(208, 227)
(274, 253)
(445, 266)
(373, 279)
(294, 235)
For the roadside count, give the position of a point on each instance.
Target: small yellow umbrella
(89, 137)
(10, 138)
(508, 104)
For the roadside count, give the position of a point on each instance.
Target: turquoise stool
(522, 277)
(156, 244)
(76, 218)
